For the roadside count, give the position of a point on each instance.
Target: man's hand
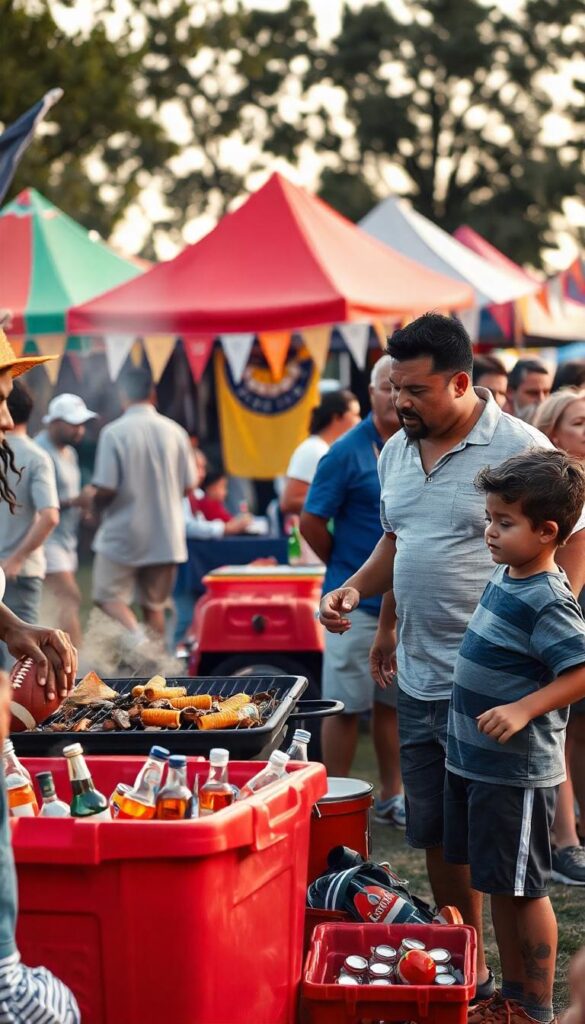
(12, 566)
(335, 607)
(383, 658)
(503, 722)
(238, 524)
(51, 650)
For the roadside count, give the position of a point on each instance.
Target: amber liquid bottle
(175, 799)
(216, 793)
(22, 802)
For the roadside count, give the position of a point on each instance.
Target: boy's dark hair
(332, 404)
(549, 485)
(137, 384)
(20, 403)
(441, 337)
(487, 364)
(211, 477)
(522, 367)
(570, 375)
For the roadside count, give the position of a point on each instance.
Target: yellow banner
(51, 345)
(263, 421)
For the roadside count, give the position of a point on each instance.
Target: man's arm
(293, 496)
(373, 578)
(314, 530)
(571, 558)
(45, 522)
(102, 497)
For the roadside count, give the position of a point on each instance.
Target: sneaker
(390, 812)
(480, 1009)
(486, 990)
(500, 1011)
(568, 865)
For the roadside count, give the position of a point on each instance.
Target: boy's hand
(503, 722)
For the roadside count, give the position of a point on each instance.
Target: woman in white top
(338, 412)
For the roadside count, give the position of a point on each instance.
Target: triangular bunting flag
(237, 348)
(575, 272)
(556, 294)
(76, 365)
(380, 332)
(51, 345)
(30, 348)
(275, 346)
(136, 353)
(158, 348)
(17, 343)
(118, 348)
(542, 298)
(470, 320)
(198, 350)
(316, 340)
(356, 337)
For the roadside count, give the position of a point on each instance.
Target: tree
(450, 102)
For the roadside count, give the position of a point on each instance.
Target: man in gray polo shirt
(432, 565)
(144, 466)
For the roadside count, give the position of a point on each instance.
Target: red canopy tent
(283, 260)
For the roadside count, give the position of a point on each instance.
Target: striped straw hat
(10, 361)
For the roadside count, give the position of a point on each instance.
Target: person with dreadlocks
(25, 993)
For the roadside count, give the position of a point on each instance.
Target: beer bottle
(175, 799)
(216, 793)
(22, 802)
(298, 748)
(294, 545)
(139, 803)
(274, 770)
(52, 807)
(87, 803)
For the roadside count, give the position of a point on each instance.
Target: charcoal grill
(242, 743)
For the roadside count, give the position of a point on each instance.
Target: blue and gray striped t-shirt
(522, 635)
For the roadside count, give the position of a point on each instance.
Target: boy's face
(510, 535)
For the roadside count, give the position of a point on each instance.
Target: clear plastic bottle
(51, 807)
(274, 770)
(216, 793)
(22, 802)
(298, 748)
(87, 804)
(175, 800)
(139, 803)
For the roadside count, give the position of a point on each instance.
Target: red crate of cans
(356, 972)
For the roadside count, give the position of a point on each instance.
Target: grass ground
(568, 901)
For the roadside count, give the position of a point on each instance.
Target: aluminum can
(440, 956)
(378, 982)
(407, 944)
(445, 979)
(384, 954)
(380, 970)
(347, 979)
(356, 965)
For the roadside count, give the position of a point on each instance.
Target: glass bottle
(120, 792)
(298, 748)
(11, 762)
(22, 802)
(88, 804)
(175, 799)
(139, 803)
(274, 770)
(52, 807)
(216, 793)
(294, 545)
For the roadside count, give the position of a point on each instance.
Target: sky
(130, 234)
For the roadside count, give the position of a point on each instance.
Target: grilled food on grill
(91, 690)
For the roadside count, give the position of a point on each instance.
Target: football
(28, 703)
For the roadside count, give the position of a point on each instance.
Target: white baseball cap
(69, 408)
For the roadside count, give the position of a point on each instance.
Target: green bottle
(294, 546)
(87, 804)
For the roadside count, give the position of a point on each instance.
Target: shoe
(390, 812)
(479, 1009)
(568, 865)
(486, 991)
(500, 1011)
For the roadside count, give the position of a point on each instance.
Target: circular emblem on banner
(259, 393)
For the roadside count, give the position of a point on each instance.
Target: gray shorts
(150, 585)
(346, 669)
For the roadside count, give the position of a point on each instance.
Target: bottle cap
(177, 761)
(46, 784)
(160, 753)
(301, 736)
(218, 755)
(279, 757)
(73, 750)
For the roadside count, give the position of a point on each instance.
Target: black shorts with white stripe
(502, 832)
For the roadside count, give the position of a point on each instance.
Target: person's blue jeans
(422, 728)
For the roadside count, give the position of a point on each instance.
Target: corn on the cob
(237, 700)
(166, 693)
(203, 701)
(137, 691)
(162, 717)
(158, 681)
(219, 720)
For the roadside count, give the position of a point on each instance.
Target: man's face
(497, 383)
(6, 421)
(64, 433)
(382, 402)
(425, 400)
(532, 390)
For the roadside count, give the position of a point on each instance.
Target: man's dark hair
(487, 364)
(332, 404)
(549, 485)
(522, 367)
(442, 338)
(570, 375)
(20, 403)
(137, 384)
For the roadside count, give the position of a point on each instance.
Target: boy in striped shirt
(521, 663)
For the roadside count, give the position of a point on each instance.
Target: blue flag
(18, 136)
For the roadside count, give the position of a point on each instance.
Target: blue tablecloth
(205, 555)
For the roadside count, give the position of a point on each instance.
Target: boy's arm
(503, 722)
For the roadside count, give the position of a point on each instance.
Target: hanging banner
(356, 337)
(158, 349)
(470, 319)
(317, 341)
(263, 421)
(575, 272)
(51, 345)
(117, 351)
(198, 348)
(380, 332)
(237, 348)
(542, 298)
(556, 294)
(275, 346)
(136, 353)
